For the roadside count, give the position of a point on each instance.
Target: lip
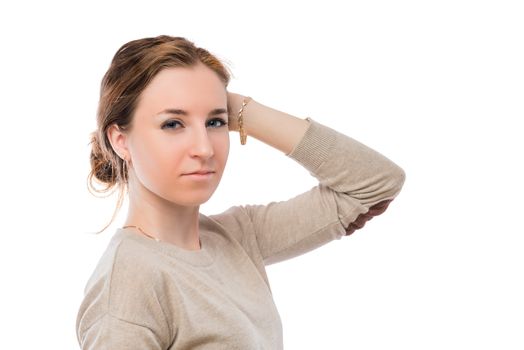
(205, 172)
(200, 176)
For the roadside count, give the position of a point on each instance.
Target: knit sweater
(146, 294)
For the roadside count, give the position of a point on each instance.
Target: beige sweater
(154, 295)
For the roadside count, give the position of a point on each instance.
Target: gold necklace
(143, 232)
(153, 237)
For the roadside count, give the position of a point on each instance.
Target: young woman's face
(179, 127)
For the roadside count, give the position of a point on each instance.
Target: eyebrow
(177, 111)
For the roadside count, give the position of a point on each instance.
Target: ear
(118, 140)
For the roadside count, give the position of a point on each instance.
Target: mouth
(200, 173)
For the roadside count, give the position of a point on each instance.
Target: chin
(191, 199)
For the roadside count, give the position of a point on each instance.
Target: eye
(215, 123)
(170, 124)
(219, 120)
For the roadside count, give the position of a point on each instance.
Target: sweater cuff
(315, 146)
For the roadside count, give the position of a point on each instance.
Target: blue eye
(170, 124)
(220, 120)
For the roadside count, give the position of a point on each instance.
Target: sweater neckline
(202, 257)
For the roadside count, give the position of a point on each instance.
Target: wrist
(234, 105)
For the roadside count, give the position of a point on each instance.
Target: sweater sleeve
(356, 183)
(124, 303)
(110, 332)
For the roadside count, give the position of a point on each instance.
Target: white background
(436, 86)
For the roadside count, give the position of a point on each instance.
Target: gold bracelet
(243, 135)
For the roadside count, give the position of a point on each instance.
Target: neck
(165, 220)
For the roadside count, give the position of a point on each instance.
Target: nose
(201, 145)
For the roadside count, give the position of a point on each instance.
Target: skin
(162, 201)
(161, 147)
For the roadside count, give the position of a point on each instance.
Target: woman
(172, 277)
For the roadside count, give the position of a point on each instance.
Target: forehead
(193, 88)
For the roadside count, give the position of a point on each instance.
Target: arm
(125, 303)
(275, 128)
(356, 183)
(110, 332)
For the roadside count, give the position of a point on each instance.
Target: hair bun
(101, 166)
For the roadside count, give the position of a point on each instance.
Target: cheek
(155, 162)
(222, 148)
(158, 162)
(227, 143)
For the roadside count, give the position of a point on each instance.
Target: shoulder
(126, 285)
(234, 220)
(236, 225)
(123, 258)
(110, 332)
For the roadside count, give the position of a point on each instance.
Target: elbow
(395, 183)
(360, 221)
(385, 187)
(397, 179)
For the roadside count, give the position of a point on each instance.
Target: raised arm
(356, 183)
(278, 129)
